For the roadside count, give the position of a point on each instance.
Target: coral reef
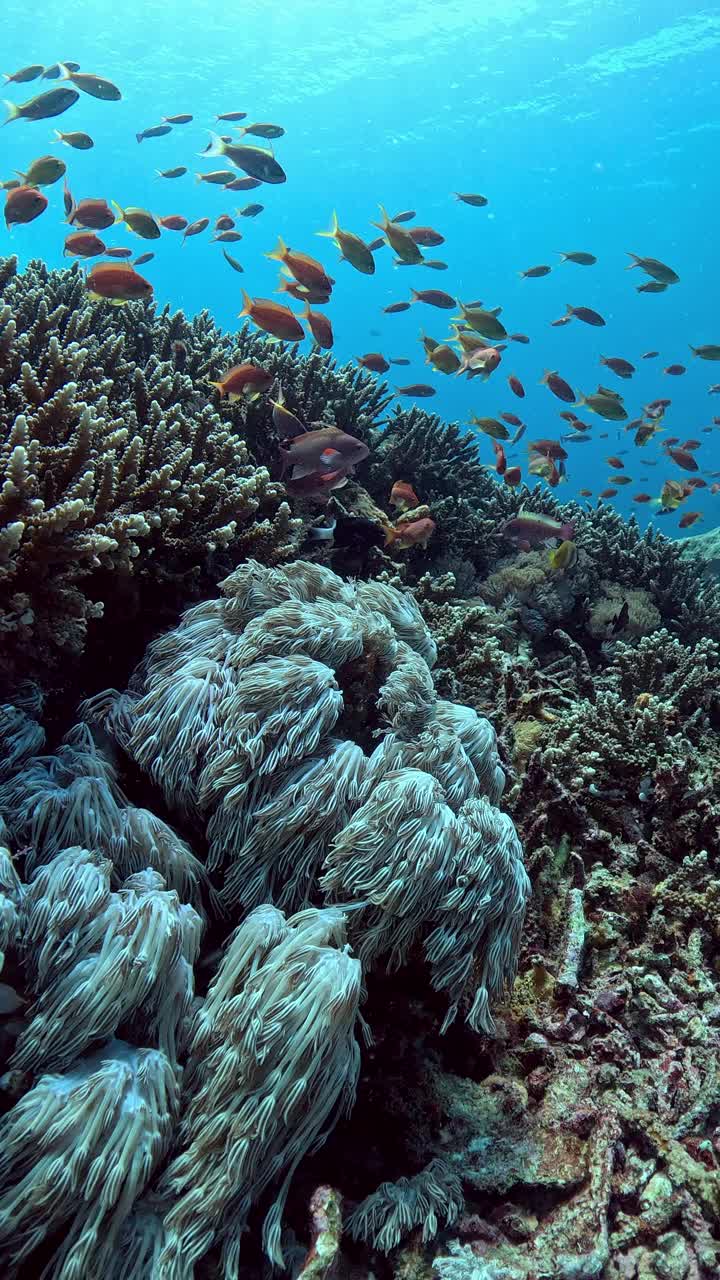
(119, 477)
(294, 733)
(293, 809)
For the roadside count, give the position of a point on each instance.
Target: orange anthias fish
(244, 381)
(117, 283)
(683, 459)
(273, 317)
(91, 215)
(173, 222)
(689, 519)
(302, 267)
(24, 204)
(403, 496)
(374, 361)
(416, 533)
(319, 326)
(83, 244)
(500, 459)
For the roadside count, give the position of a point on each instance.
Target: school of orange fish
(317, 461)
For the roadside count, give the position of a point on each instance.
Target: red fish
(374, 361)
(412, 534)
(558, 386)
(83, 244)
(434, 298)
(319, 326)
(173, 222)
(403, 496)
(273, 318)
(683, 459)
(512, 477)
(243, 381)
(608, 493)
(302, 267)
(24, 204)
(91, 215)
(675, 370)
(516, 386)
(426, 237)
(117, 282)
(500, 459)
(549, 448)
(689, 518)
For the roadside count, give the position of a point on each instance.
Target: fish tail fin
(693, 349)
(334, 228)
(279, 252)
(569, 308)
(121, 212)
(247, 304)
(22, 175)
(306, 312)
(216, 147)
(138, 137)
(635, 261)
(58, 135)
(414, 293)
(65, 72)
(385, 219)
(13, 111)
(563, 256)
(522, 274)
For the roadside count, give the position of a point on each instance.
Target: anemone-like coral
(257, 718)
(431, 1199)
(76, 1150)
(116, 467)
(272, 1061)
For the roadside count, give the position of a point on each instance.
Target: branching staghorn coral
(114, 465)
(258, 716)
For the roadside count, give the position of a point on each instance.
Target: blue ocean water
(589, 126)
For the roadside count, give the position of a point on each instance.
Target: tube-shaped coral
(431, 1199)
(69, 798)
(129, 952)
(297, 721)
(272, 1062)
(417, 871)
(10, 890)
(77, 1150)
